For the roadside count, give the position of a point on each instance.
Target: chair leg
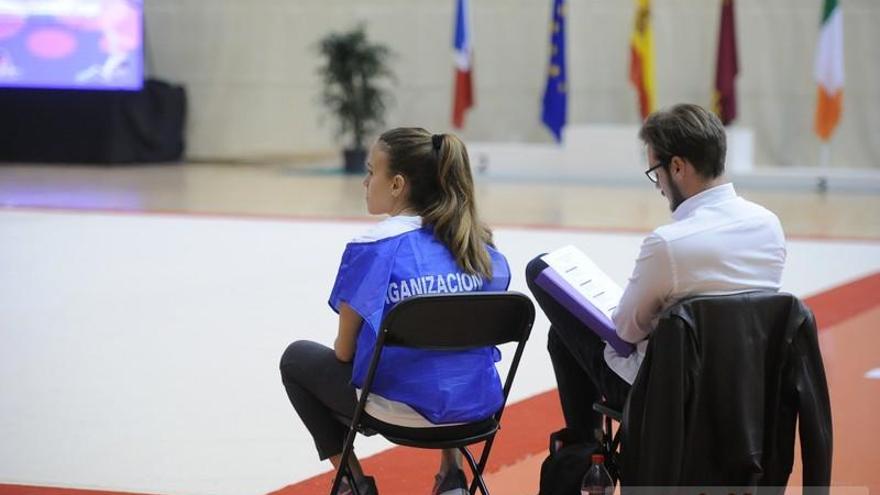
(484, 457)
(608, 436)
(342, 472)
(345, 472)
(343, 465)
(610, 444)
(478, 473)
(355, 489)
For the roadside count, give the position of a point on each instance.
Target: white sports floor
(139, 352)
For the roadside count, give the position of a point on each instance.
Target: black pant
(318, 385)
(582, 375)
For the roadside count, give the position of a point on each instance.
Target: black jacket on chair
(723, 384)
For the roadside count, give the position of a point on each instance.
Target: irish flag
(828, 70)
(463, 98)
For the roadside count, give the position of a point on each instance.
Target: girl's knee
(294, 352)
(304, 356)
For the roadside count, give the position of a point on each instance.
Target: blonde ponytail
(438, 171)
(454, 214)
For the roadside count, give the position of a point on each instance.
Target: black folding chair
(608, 438)
(450, 322)
(688, 399)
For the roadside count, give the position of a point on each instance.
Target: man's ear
(678, 166)
(398, 184)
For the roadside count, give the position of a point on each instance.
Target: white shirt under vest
(718, 243)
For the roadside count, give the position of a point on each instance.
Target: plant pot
(355, 160)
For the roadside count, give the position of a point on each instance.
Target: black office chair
(446, 322)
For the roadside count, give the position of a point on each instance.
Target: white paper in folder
(586, 277)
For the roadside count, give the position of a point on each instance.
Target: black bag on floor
(564, 468)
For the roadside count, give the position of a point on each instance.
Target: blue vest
(443, 386)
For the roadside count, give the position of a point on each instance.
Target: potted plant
(353, 71)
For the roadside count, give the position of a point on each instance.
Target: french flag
(464, 90)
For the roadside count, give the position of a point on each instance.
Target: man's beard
(675, 196)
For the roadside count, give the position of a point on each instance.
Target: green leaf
(355, 74)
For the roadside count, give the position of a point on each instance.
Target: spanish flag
(828, 70)
(641, 67)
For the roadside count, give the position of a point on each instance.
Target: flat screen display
(71, 44)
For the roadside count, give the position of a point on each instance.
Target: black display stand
(69, 126)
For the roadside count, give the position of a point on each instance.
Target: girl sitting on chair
(431, 243)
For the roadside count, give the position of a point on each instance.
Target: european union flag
(555, 111)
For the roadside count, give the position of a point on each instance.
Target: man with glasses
(717, 243)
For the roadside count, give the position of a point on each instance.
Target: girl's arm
(346, 338)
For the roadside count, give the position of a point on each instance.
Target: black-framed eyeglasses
(651, 173)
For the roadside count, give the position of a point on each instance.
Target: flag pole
(824, 164)
(825, 154)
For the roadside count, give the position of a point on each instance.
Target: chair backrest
(456, 322)
(451, 322)
(459, 321)
(728, 374)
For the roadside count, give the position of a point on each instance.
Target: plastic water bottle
(597, 481)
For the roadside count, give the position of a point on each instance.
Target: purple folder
(580, 307)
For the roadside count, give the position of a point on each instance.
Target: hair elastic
(437, 141)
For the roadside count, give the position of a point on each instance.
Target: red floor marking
(845, 301)
(849, 349)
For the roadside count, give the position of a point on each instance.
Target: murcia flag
(464, 90)
(828, 70)
(726, 66)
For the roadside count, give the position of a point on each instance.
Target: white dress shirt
(718, 243)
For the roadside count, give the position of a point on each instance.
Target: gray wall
(249, 67)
